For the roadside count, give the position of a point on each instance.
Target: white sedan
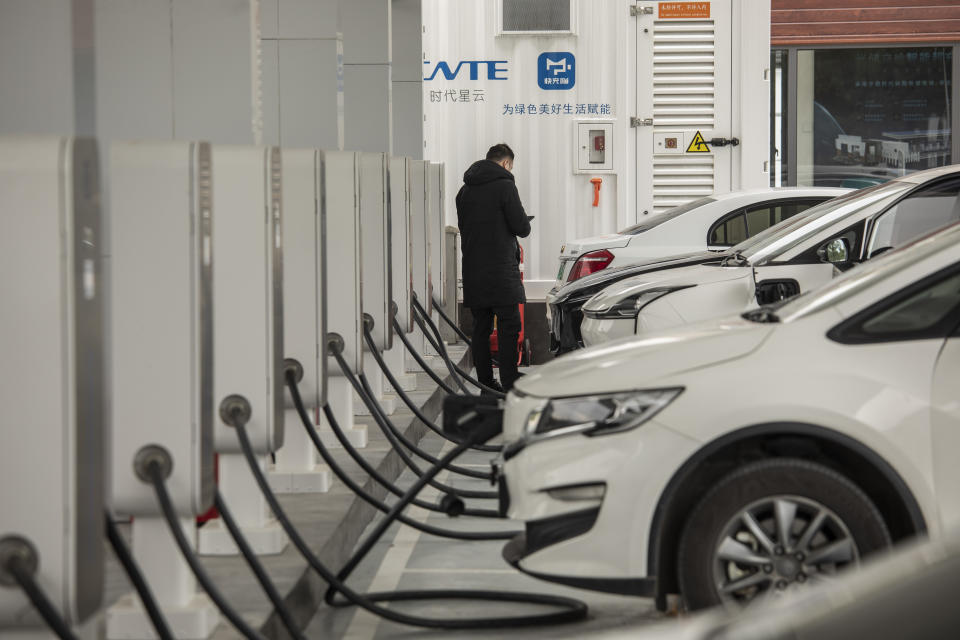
(739, 458)
(798, 255)
(713, 223)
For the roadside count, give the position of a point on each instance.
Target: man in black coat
(491, 219)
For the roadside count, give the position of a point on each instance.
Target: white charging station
(247, 337)
(304, 318)
(161, 213)
(402, 271)
(377, 265)
(438, 226)
(339, 201)
(53, 379)
(420, 244)
(436, 229)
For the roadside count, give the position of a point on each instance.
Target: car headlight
(597, 415)
(630, 306)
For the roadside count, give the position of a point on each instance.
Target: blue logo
(556, 70)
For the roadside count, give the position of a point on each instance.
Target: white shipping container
(616, 91)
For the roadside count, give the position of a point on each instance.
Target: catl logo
(495, 69)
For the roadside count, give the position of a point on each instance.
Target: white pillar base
(248, 507)
(128, 620)
(190, 614)
(376, 381)
(297, 470)
(394, 358)
(340, 398)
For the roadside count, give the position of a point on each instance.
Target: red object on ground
(494, 340)
(590, 262)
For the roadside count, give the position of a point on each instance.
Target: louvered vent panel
(683, 99)
(681, 178)
(683, 74)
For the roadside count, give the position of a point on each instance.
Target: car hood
(637, 363)
(681, 277)
(589, 285)
(576, 247)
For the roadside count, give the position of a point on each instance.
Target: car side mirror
(837, 251)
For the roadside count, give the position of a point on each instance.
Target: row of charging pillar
(145, 282)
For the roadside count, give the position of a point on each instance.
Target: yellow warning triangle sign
(698, 145)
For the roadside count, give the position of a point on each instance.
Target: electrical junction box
(670, 142)
(437, 224)
(376, 238)
(248, 293)
(594, 150)
(53, 397)
(304, 276)
(338, 202)
(400, 230)
(162, 258)
(420, 230)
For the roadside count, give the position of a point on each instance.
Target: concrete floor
(407, 559)
(334, 522)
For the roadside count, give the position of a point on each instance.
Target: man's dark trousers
(508, 332)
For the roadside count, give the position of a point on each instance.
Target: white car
(688, 234)
(798, 255)
(713, 223)
(739, 457)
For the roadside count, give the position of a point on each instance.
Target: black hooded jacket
(490, 218)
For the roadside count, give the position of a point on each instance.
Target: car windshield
(868, 273)
(667, 215)
(780, 238)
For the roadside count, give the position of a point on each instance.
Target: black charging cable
(360, 491)
(420, 316)
(394, 435)
(372, 347)
(19, 563)
(451, 323)
(153, 465)
(438, 348)
(450, 504)
(286, 617)
(398, 331)
(133, 572)
(570, 610)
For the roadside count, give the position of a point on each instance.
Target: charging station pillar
(376, 265)
(304, 319)
(53, 398)
(248, 336)
(339, 196)
(421, 249)
(162, 314)
(402, 272)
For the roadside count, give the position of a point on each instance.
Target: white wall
(617, 57)
(303, 96)
(460, 133)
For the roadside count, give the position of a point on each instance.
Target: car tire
(724, 558)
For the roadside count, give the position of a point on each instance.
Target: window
(729, 232)
(866, 115)
(929, 309)
(536, 15)
(754, 219)
(917, 214)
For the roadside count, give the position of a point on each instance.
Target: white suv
(795, 257)
(737, 458)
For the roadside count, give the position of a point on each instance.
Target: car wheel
(774, 525)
